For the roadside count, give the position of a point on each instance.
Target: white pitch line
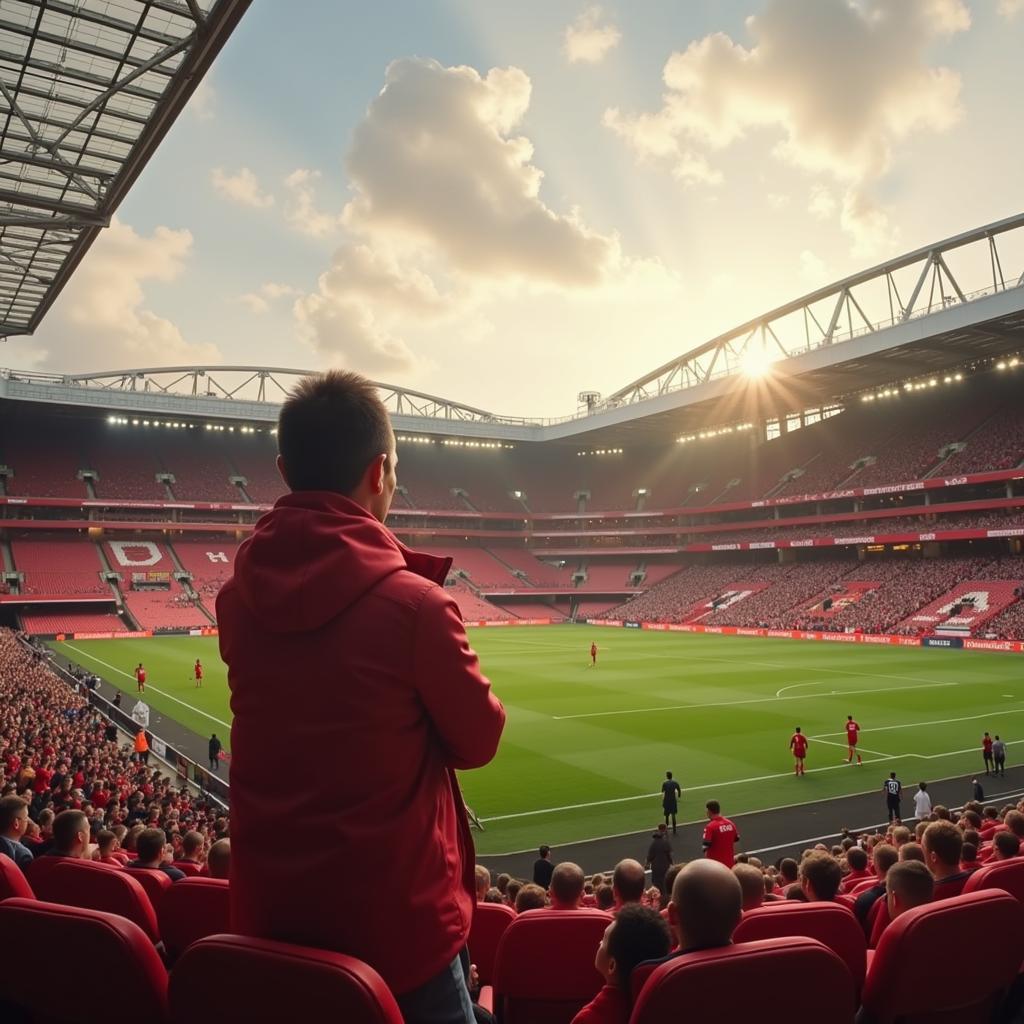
(156, 689)
(832, 743)
(752, 700)
(936, 721)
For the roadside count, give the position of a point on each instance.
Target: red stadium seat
(12, 881)
(863, 886)
(125, 953)
(489, 923)
(1007, 875)
(233, 978)
(192, 909)
(188, 867)
(948, 961)
(154, 881)
(745, 981)
(830, 924)
(84, 883)
(544, 972)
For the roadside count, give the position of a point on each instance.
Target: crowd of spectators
(999, 444)
(58, 757)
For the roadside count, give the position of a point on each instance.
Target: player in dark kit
(852, 731)
(798, 744)
(893, 790)
(593, 654)
(671, 791)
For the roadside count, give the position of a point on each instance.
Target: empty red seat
(544, 972)
(29, 982)
(489, 923)
(192, 909)
(235, 978)
(155, 882)
(84, 883)
(12, 881)
(1007, 875)
(947, 961)
(832, 925)
(745, 981)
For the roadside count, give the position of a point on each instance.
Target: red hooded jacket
(355, 696)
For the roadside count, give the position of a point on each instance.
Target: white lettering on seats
(125, 549)
(217, 556)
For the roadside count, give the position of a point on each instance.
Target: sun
(756, 362)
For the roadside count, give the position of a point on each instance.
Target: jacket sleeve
(467, 716)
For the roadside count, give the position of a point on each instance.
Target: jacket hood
(314, 555)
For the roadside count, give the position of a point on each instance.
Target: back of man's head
(883, 856)
(604, 896)
(105, 840)
(752, 883)
(942, 842)
(789, 870)
(1014, 821)
(192, 844)
(908, 884)
(12, 808)
(530, 897)
(330, 428)
(483, 881)
(912, 851)
(218, 860)
(637, 934)
(544, 852)
(820, 876)
(566, 885)
(70, 833)
(1006, 845)
(150, 845)
(628, 881)
(856, 858)
(707, 903)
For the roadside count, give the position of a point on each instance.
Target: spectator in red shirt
(637, 934)
(859, 871)
(628, 882)
(566, 889)
(820, 877)
(323, 592)
(720, 836)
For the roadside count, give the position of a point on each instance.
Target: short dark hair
(911, 880)
(149, 843)
(856, 858)
(65, 825)
(10, 808)
(822, 872)
(945, 840)
(1006, 843)
(330, 428)
(713, 806)
(639, 934)
(544, 851)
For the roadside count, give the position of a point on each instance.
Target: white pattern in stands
(978, 601)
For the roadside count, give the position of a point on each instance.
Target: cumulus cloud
(589, 38)
(436, 163)
(101, 317)
(242, 187)
(301, 210)
(352, 316)
(203, 100)
(259, 301)
(839, 85)
(1010, 8)
(822, 203)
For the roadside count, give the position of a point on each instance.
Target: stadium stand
(43, 467)
(485, 572)
(538, 573)
(200, 471)
(263, 483)
(608, 576)
(58, 565)
(165, 609)
(126, 470)
(56, 622)
(210, 562)
(998, 444)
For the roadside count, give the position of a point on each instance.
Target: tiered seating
(769, 606)
(978, 601)
(531, 610)
(200, 474)
(263, 482)
(538, 573)
(211, 562)
(127, 469)
(59, 565)
(484, 570)
(137, 555)
(594, 609)
(164, 609)
(999, 444)
(476, 609)
(46, 467)
(1008, 624)
(45, 623)
(609, 576)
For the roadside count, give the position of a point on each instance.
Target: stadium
(814, 517)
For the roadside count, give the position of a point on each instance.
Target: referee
(893, 790)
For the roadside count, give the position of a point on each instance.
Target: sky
(507, 204)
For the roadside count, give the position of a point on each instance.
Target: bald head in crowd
(707, 903)
(752, 883)
(628, 882)
(566, 887)
(218, 860)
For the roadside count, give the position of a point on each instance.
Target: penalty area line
(155, 689)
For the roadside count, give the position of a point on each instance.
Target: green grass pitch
(585, 749)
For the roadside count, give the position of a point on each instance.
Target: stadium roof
(88, 89)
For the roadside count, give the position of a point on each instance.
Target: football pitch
(585, 749)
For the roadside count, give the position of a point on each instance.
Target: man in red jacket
(343, 648)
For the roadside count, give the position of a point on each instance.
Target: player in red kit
(986, 753)
(852, 730)
(198, 672)
(593, 654)
(720, 836)
(798, 744)
(140, 678)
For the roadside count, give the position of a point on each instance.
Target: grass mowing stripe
(156, 689)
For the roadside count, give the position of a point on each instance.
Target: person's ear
(284, 475)
(376, 472)
(673, 914)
